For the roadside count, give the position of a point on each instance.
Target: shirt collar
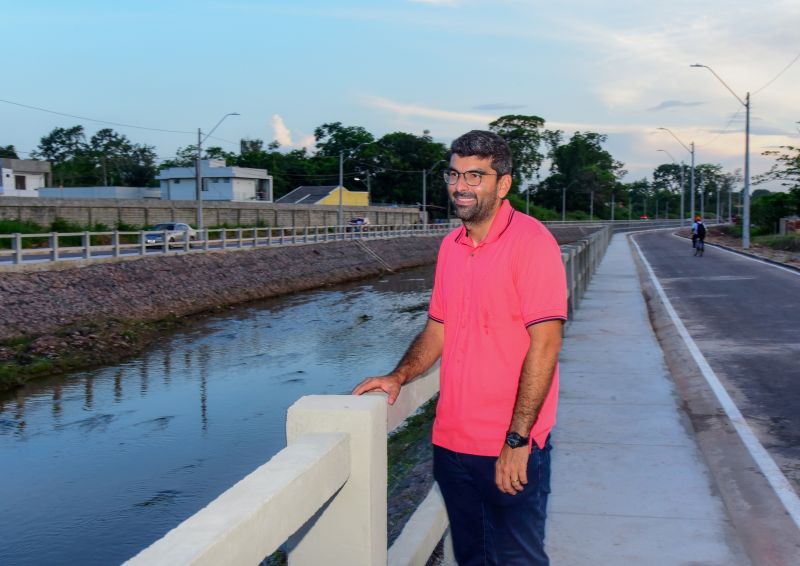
(499, 225)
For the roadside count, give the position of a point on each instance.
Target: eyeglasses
(471, 178)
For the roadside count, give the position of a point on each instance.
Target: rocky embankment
(66, 317)
(61, 319)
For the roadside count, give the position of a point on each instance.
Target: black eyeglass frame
(451, 177)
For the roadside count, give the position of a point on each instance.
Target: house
(219, 182)
(325, 194)
(23, 177)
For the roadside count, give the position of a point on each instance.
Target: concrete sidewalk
(630, 485)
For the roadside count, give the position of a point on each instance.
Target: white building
(23, 177)
(219, 182)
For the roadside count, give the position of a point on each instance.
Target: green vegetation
(107, 158)
(787, 242)
(393, 166)
(76, 347)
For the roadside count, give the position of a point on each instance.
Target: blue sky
(617, 67)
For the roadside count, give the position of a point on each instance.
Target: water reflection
(97, 466)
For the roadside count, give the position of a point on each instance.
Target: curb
(754, 256)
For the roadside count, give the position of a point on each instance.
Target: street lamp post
(682, 183)
(341, 181)
(425, 191)
(746, 189)
(691, 182)
(198, 177)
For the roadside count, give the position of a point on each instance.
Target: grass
(787, 242)
(112, 341)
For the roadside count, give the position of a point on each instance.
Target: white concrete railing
(325, 495)
(59, 246)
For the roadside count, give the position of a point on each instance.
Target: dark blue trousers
(489, 527)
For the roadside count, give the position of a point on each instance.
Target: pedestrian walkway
(630, 485)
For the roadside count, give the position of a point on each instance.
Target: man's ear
(503, 186)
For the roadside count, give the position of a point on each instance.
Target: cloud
(499, 106)
(673, 104)
(421, 111)
(475, 119)
(282, 134)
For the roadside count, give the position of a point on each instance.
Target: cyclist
(698, 235)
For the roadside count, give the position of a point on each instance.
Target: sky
(617, 67)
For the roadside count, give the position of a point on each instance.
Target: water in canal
(97, 466)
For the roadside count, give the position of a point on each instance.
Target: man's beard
(476, 213)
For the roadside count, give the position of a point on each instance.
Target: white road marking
(783, 489)
(744, 256)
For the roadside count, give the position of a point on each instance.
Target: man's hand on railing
(389, 384)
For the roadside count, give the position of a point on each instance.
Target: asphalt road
(743, 315)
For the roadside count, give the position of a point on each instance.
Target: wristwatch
(516, 440)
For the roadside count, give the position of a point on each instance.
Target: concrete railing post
(17, 248)
(87, 245)
(53, 246)
(351, 530)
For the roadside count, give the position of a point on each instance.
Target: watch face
(515, 440)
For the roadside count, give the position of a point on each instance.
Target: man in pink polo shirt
(495, 319)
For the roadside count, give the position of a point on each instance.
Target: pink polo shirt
(486, 297)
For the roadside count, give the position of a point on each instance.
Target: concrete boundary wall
(149, 212)
(351, 528)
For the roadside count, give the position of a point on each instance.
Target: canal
(98, 465)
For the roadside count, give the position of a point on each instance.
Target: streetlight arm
(670, 155)
(742, 102)
(217, 126)
(677, 139)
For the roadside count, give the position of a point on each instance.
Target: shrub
(787, 242)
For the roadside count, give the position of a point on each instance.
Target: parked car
(644, 217)
(171, 232)
(358, 223)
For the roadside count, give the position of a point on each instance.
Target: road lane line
(783, 489)
(744, 255)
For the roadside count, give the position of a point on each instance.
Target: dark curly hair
(483, 144)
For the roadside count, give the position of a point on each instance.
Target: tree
(8, 151)
(785, 169)
(184, 157)
(110, 149)
(767, 210)
(68, 152)
(333, 138)
(109, 158)
(584, 170)
(525, 137)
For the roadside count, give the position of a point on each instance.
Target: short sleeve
(436, 306)
(541, 280)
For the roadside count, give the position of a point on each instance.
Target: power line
(724, 129)
(94, 119)
(786, 68)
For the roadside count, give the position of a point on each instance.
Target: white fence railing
(324, 496)
(58, 246)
